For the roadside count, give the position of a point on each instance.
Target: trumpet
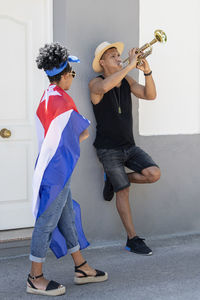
(159, 36)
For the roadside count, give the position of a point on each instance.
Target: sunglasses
(73, 73)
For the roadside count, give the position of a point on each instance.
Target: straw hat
(100, 51)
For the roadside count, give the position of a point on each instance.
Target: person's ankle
(131, 236)
(80, 263)
(85, 267)
(34, 276)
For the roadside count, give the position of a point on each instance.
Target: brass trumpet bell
(160, 37)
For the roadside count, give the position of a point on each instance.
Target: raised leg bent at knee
(148, 175)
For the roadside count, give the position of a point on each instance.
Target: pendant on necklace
(119, 110)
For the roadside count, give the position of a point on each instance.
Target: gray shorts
(115, 160)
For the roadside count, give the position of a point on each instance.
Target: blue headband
(62, 66)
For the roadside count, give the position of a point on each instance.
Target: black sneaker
(137, 245)
(108, 192)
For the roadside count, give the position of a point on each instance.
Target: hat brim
(95, 65)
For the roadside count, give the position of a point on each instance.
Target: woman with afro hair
(60, 130)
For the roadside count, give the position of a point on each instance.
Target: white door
(25, 25)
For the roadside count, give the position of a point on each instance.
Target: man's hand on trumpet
(133, 61)
(133, 55)
(144, 66)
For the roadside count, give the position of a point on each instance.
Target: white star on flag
(49, 92)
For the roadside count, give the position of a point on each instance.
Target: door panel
(25, 25)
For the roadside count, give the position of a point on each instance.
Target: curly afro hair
(51, 56)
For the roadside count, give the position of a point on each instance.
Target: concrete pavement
(171, 273)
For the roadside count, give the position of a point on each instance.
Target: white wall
(175, 65)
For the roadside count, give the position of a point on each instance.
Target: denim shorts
(114, 162)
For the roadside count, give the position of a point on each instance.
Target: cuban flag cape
(59, 126)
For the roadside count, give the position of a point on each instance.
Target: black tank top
(114, 129)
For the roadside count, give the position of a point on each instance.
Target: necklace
(117, 99)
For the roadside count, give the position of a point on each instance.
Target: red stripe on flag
(56, 106)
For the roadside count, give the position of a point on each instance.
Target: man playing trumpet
(111, 98)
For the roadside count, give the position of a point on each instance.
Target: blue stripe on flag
(57, 174)
(61, 166)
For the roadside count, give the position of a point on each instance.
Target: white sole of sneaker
(90, 279)
(129, 250)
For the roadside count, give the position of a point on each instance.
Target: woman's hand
(84, 135)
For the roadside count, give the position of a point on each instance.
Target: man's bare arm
(147, 91)
(98, 86)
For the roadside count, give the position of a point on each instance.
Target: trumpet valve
(144, 54)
